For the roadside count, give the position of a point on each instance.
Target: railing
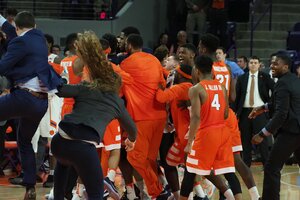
(254, 25)
(63, 9)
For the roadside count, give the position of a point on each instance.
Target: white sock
(51, 172)
(199, 191)
(141, 186)
(254, 193)
(111, 174)
(229, 195)
(130, 192)
(163, 180)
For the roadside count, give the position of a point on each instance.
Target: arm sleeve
(126, 77)
(66, 90)
(127, 124)
(15, 52)
(282, 105)
(164, 96)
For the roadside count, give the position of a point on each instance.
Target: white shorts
(49, 124)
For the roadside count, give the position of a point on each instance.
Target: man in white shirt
(252, 90)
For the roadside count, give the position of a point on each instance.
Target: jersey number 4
(215, 102)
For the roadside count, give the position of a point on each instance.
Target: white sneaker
(50, 196)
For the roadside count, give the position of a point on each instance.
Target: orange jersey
(213, 109)
(181, 117)
(146, 72)
(68, 63)
(222, 74)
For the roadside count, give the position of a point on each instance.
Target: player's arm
(78, 67)
(194, 95)
(227, 103)
(232, 93)
(57, 60)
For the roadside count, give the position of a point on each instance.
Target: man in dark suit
(285, 109)
(252, 90)
(26, 66)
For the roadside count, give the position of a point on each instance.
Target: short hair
(71, 39)
(104, 43)
(190, 47)
(49, 39)
(285, 58)
(113, 42)
(56, 46)
(161, 52)
(24, 19)
(204, 64)
(135, 40)
(210, 42)
(11, 12)
(254, 58)
(244, 58)
(130, 30)
(222, 48)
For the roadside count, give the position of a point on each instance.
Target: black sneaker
(17, 180)
(110, 186)
(30, 194)
(165, 195)
(200, 198)
(49, 182)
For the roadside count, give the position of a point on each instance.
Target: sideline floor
(290, 186)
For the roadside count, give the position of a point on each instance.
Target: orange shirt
(68, 62)
(221, 73)
(213, 109)
(55, 66)
(181, 117)
(146, 72)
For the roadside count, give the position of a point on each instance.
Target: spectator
(163, 40)
(55, 49)
(181, 40)
(196, 18)
(242, 63)
(113, 44)
(161, 53)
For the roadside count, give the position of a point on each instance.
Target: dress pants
(285, 144)
(248, 128)
(29, 110)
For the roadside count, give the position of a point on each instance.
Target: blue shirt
(235, 69)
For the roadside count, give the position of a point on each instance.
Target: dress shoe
(30, 194)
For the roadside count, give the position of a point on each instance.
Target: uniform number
(223, 79)
(215, 102)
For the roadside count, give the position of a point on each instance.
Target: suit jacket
(285, 105)
(26, 58)
(265, 84)
(95, 109)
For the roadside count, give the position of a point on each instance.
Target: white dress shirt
(257, 99)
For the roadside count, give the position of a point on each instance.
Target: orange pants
(143, 156)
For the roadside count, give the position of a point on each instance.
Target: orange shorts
(112, 136)
(176, 155)
(232, 124)
(66, 109)
(211, 150)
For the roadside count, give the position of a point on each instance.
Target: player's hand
(257, 139)
(129, 146)
(256, 111)
(188, 148)
(160, 86)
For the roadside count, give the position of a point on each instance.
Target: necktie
(251, 99)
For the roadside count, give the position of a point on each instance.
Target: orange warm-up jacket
(146, 72)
